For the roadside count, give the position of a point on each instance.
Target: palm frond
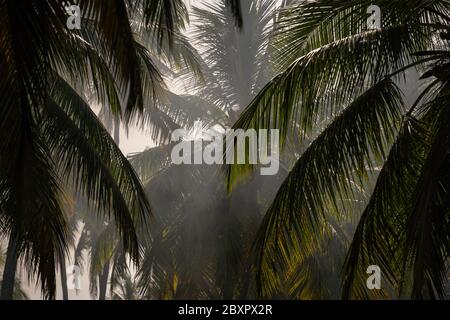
(166, 18)
(235, 7)
(404, 228)
(102, 171)
(302, 93)
(295, 222)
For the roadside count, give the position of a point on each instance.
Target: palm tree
(236, 64)
(126, 289)
(100, 242)
(215, 228)
(51, 136)
(72, 226)
(153, 43)
(332, 67)
(19, 293)
(168, 57)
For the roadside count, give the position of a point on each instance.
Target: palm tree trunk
(104, 275)
(9, 272)
(103, 282)
(65, 291)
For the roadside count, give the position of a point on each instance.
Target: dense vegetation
(364, 169)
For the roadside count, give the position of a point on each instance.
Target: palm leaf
(295, 222)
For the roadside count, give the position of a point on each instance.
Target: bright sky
(137, 141)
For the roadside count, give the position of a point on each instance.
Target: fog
(238, 231)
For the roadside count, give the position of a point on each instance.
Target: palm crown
(332, 67)
(337, 91)
(49, 133)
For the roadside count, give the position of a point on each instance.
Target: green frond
(102, 171)
(112, 21)
(295, 222)
(302, 93)
(308, 25)
(35, 220)
(151, 162)
(428, 224)
(166, 18)
(176, 54)
(404, 228)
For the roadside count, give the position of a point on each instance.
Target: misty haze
(118, 182)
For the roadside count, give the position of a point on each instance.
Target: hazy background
(134, 142)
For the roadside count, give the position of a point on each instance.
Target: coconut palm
(99, 242)
(331, 64)
(126, 289)
(19, 293)
(168, 55)
(236, 63)
(214, 228)
(49, 133)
